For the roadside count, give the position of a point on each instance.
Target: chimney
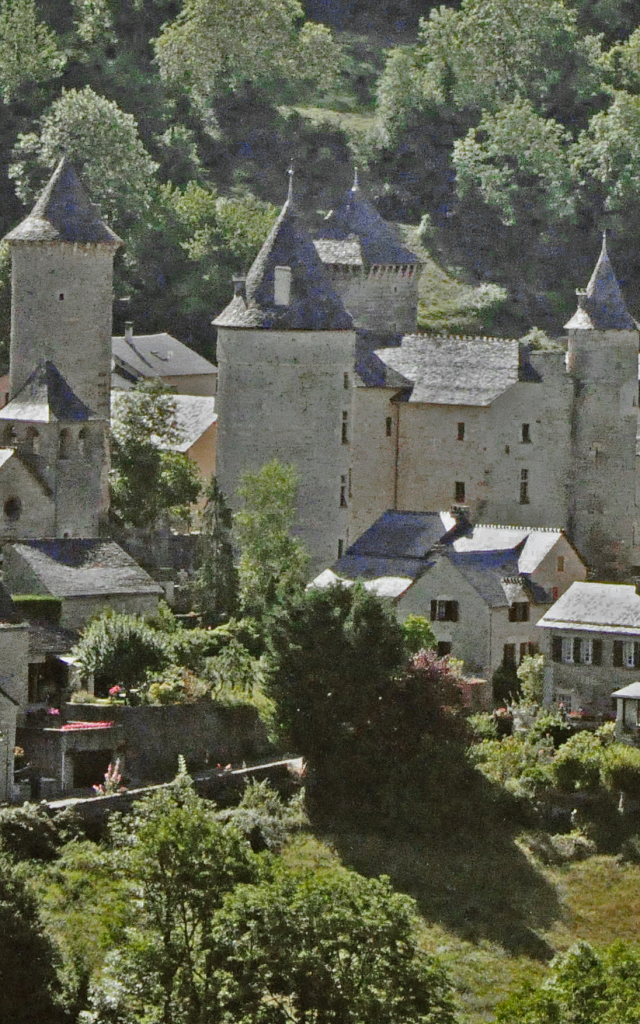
(239, 288)
(128, 331)
(281, 286)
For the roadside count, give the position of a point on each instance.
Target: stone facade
(381, 299)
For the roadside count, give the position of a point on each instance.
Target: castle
(320, 365)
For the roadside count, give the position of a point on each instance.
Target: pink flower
(115, 690)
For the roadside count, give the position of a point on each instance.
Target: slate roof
(45, 638)
(355, 233)
(313, 306)
(455, 371)
(46, 396)
(401, 546)
(159, 355)
(31, 463)
(194, 415)
(64, 213)
(601, 307)
(72, 567)
(597, 607)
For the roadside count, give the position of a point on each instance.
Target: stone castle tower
(602, 358)
(56, 423)
(374, 273)
(286, 348)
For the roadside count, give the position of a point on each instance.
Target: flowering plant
(112, 782)
(115, 691)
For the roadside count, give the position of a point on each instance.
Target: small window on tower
(524, 486)
(340, 548)
(12, 509)
(61, 296)
(460, 490)
(460, 431)
(345, 381)
(526, 433)
(560, 563)
(343, 492)
(345, 428)
(389, 426)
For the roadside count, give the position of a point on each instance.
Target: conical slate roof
(313, 304)
(46, 396)
(356, 233)
(64, 213)
(601, 307)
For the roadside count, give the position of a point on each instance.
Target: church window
(460, 490)
(343, 492)
(64, 444)
(12, 509)
(526, 434)
(389, 426)
(83, 440)
(460, 431)
(524, 486)
(281, 286)
(32, 440)
(345, 428)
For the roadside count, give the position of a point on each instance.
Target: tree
(531, 675)
(216, 578)
(584, 986)
(621, 771)
(327, 947)
(273, 563)
(207, 52)
(29, 50)
(120, 650)
(147, 482)
(418, 634)
(30, 988)
(103, 143)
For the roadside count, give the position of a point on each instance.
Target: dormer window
(281, 286)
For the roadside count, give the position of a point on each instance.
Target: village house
(160, 356)
(591, 642)
(484, 587)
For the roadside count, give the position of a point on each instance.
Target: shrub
(264, 817)
(577, 763)
(39, 606)
(505, 683)
(531, 675)
(176, 685)
(484, 726)
(551, 724)
(621, 770)
(418, 634)
(120, 650)
(28, 832)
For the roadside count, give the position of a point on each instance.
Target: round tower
(62, 291)
(602, 358)
(372, 270)
(286, 349)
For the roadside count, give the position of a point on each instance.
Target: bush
(484, 726)
(39, 606)
(265, 818)
(120, 650)
(28, 832)
(577, 763)
(418, 634)
(551, 724)
(176, 685)
(505, 684)
(620, 770)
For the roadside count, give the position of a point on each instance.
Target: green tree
(208, 52)
(578, 762)
(273, 563)
(216, 578)
(29, 50)
(621, 771)
(418, 634)
(30, 989)
(104, 145)
(326, 947)
(584, 986)
(531, 675)
(606, 155)
(149, 481)
(120, 650)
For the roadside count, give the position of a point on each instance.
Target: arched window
(32, 440)
(12, 509)
(84, 441)
(64, 443)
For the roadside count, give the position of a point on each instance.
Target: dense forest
(510, 131)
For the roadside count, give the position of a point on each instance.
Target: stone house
(87, 575)
(140, 356)
(484, 587)
(591, 642)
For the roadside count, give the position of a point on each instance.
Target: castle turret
(285, 366)
(57, 420)
(375, 274)
(603, 360)
(61, 290)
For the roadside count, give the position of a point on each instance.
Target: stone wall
(204, 733)
(283, 395)
(373, 457)
(383, 299)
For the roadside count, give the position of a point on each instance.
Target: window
(629, 654)
(560, 563)
(567, 650)
(12, 509)
(83, 440)
(345, 428)
(350, 494)
(459, 490)
(444, 611)
(524, 486)
(443, 648)
(10, 436)
(64, 443)
(460, 431)
(61, 297)
(389, 426)
(345, 381)
(519, 611)
(343, 492)
(527, 650)
(526, 434)
(340, 548)
(509, 655)
(32, 440)
(626, 654)
(586, 652)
